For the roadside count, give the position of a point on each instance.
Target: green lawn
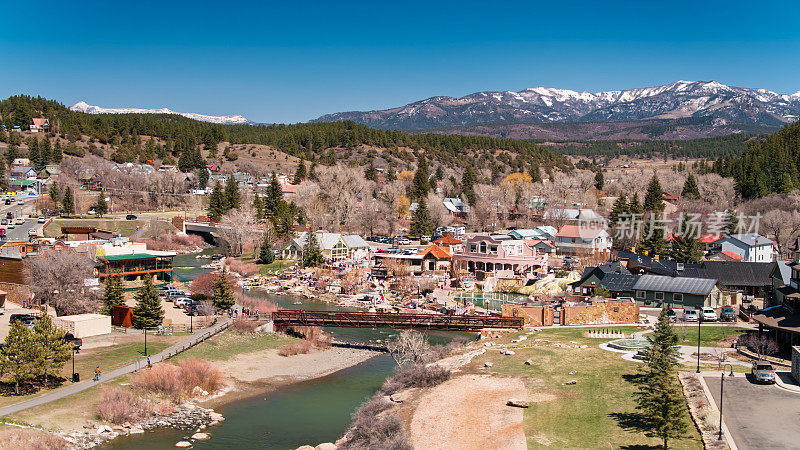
(112, 357)
(709, 335)
(230, 343)
(598, 411)
(268, 269)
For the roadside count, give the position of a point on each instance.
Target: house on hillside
(40, 124)
(752, 279)
(455, 206)
(677, 292)
(752, 247)
(90, 181)
(582, 240)
(540, 245)
(334, 246)
(583, 216)
(23, 172)
(19, 162)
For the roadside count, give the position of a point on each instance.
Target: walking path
(70, 389)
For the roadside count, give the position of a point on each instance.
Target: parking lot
(758, 416)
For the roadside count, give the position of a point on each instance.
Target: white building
(751, 247)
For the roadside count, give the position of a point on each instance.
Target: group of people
(244, 311)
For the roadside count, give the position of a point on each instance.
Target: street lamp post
(73, 363)
(145, 343)
(721, 387)
(699, 321)
(191, 323)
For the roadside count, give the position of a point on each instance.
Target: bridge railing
(392, 320)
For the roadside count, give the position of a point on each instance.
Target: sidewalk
(70, 389)
(784, 380)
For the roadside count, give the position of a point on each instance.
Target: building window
(659, 296)
(473, 248)
(640, 294)
(483, 247)
(677, 298)
(493, 249)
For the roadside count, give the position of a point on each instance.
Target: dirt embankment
(470, 411)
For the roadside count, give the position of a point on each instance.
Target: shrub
(30, 439)
(162, 379)
(376, 433)
(119, 405)
(174, 241)
(244, 326)
(416, 375)
(295, 348)
(198, 372)
(242, 268)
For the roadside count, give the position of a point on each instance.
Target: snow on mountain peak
(91, 109)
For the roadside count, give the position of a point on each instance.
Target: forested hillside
(733, 144)
(767, 165)
(319, 142)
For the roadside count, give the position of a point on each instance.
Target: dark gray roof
(681, 285)
(618, 282)
(739, 273)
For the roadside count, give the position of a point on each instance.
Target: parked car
(8, 201)
(9, 215)
(176, 294)
(180, 302)
(130, 217)
(708, 314)
(20, 202)
(728, 314)
(4, 222)
(27, 319)
(762, 372)
(690, 315)
(11, 225)
(671, 314)
(411, 251)
(19, 221)
(41, 219)
(402, 240)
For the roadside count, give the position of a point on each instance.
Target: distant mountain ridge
(90, 109)
(681, 99)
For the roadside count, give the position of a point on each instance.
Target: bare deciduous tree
(408, 348)
(56, 278)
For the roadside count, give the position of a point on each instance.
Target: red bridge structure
(301, 317)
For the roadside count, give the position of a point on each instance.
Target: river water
(309, 412)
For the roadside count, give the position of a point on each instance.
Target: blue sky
(294, 61)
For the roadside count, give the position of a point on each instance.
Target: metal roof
(680, 285)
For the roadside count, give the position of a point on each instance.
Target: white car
(41, 219)
(19, 221)
(689, 315)
(20, 202)
(180, 302)
(403, 241)
(708, 314)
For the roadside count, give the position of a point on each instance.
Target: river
(309, 412)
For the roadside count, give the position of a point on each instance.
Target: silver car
(763, 372)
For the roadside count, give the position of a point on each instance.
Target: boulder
(326, 446)
(200, 436)
(528, 362)
(488, 364)
(104, 429)
(306, 447)
(402, 396)
(183, 444)
(215, 417)
(571, 382)
(136, 430)
(517, 403)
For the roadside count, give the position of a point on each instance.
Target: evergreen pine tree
(685, 246)
(274, 195)
(112, 293)
(217, 203)
(46, 151)
(654, 199)
(619, 210)
(300, 173)
(258, 207)
(222, 292)
(265, 253)
(101, 207)
(55, 350)
(660, 398)
(57, 154)
(439, 173)
(68, 202)
(634, 207)
(420, 185)
(533, 171)
(690, 188)
(370, 173)
(20, 352)
(468, 180)
(599, 180)
(421, 223)
(731, 222)
(202, 178)
(232, 196)
(390, 172)
(312, 174)
(653, 242)
(148, 312)
(312, 255)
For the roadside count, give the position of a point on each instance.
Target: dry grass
(30, 439)
(244, 326)
(119, 405)
(244, 269)
(373, 430)
(295, 348)
(415, 376)
(174, 242)
(177, 382)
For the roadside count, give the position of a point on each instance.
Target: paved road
(86, 384)
(758, 416)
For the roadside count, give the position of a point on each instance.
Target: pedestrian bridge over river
(299, 317)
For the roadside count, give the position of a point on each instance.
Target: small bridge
(300, 317)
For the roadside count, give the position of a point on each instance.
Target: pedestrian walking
(97, 373)
(148, 362)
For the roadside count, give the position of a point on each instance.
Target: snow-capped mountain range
(89, 109)
(546, 105)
